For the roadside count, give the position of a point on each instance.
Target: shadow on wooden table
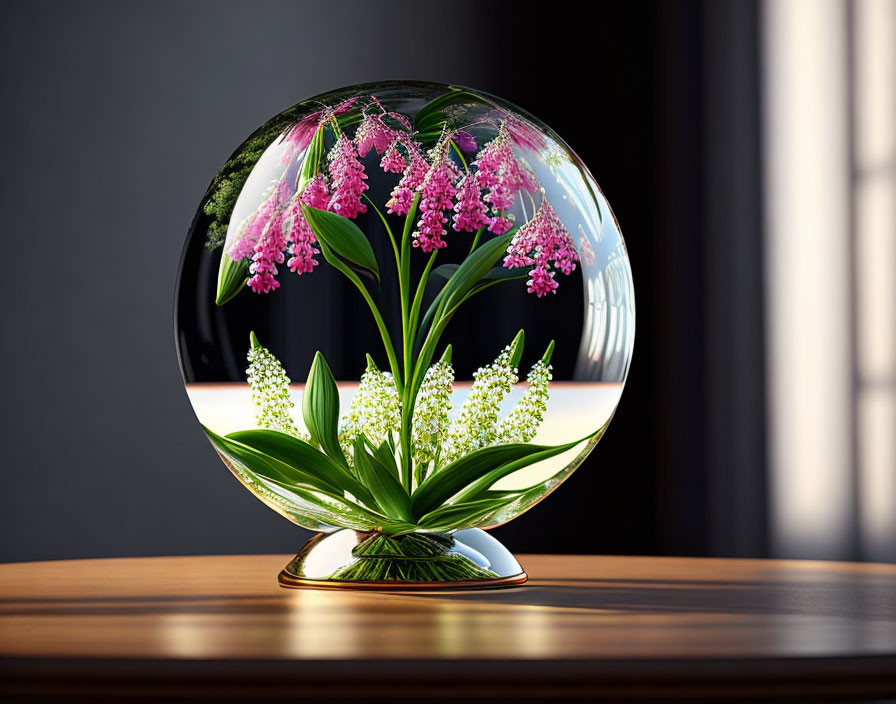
(868, 597)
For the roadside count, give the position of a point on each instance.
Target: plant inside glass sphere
(400, 471)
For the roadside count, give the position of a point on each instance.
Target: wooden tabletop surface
(221, 627)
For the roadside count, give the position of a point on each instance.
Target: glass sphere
(404, 308)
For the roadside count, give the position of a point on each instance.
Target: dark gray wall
(115, 118)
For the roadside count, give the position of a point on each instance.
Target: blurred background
(748, 149)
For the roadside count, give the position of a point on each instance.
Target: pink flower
(500, 224)
(504, 175)
(436, 194)
(302, 241)
(347, 178)
(374, 133)
(393, 161)
(270, 242)
(541, 282)
(522, 132)
(316, 193)
(545, 243)
(259, 222)
(414, 173)
(469, 209)
(298, 137)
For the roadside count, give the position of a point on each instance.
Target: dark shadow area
(842, 599)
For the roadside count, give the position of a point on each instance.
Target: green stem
(440, 322)
(404, 280)
(418, 297)
(388, 230)
(334, 125)
(476, 240)
(335, 262)
(460, 154)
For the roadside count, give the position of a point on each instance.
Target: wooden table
(583, 627)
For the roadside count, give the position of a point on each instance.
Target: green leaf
(343, 237)
(345, 513)
(474, 268)
(312, 506)
(293, 463)
(516, 348)
(312, 161)
(232, 276)
(303, 457)
(388, 493)
(445, 271)
(320, 408)
(463, 515)
(475, 488)
(431, 116)
(385, 455)
(269, 466)
(524, 499)
(488, 462)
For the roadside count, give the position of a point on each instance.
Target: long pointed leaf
(305, 502)
(458, 475)
(320, 408)
(465, 276)
(463, 515)
(232, 277)
(268, 466)
(343, 237)
(302, 456)
(386, 456)
(484, 482)
(388, 493)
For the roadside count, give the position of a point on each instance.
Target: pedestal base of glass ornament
(346, 559)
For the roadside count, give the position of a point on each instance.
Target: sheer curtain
(829, 149)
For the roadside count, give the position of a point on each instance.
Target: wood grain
(220, 626)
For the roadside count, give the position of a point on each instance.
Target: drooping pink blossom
(545, 244)
(522, 132)
(403, 194)
(499, 170)
(541, 282)
(373, 133)
(498, 164)
(270, 242)
(469, 211)
(316, 193)
(244, 245)
(500, 224)
(393, 161)
(298, 137)
(347, 179)
(436, 191)
(301, 240)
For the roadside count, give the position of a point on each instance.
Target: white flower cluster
(375, 409)
(476, 426)
(270, 391)
(431, 412)
(523, 421)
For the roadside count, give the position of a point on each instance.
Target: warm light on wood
(598, 624)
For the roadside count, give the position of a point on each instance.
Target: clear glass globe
(404, 308)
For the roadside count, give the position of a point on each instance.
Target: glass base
(346, 559)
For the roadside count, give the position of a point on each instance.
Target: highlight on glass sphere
(405, 310)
